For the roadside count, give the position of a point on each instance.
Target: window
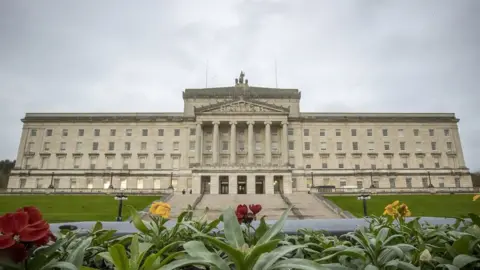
(324, 164)
(437, 164)
(338, 132)
(385, 132)
(160, 132)
(76, 162)
(420, 164)
(127, 146)
(28, 162)
(89, 183)
(343, 183)
(144, 132)
(405, 164)
(241, 145)
(224, 145)
(96, 132)
(415, 132)
(39, 182)
(408, 182)
(177, 132)
(111, 146)
(371, 146)
(307, 146)
(392, 182)
(65, 132)
(400, 133)
(402, 146)
(56, 183)
(128, 132)
(192, 146)
(308, 166)
(457, 182)
(323, 146)
(49, 132)
(44, 163)
(369, 132)
(306, 132)
(30, 146)
(193, 132)
(95, 146)
(258, 146)
(357, 166)
(176, 146)
(431, 132)
(434, 146)
(418, 146)
(376, 184)
(355, 146)
(160, 146)
(106, 183)
(290, 131)
(109, 162)
(113, 132)
(142, 162)
(424, 182)
(386, 146)
(359, 184)
(143, 146)
(93, 162)
(389, 166)
(33, 132)
(340, 163)
(23, 182)
(339, 146)
(63, 146)
(81, 132)
(354, 132)
(126, 160)
(322, 132)
(449, 146)
(158, 162)
(291, 145)
(208, 146)
(446, 132)
(373, 166)
(78, 147)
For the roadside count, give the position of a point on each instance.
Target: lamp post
(371, 180)
(429, 180)
(313, 184)
(120, 198)
(364, 197)
(51, 182)
(171, 181)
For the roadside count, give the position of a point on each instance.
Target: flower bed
(387, 242)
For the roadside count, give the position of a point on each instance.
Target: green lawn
(419, 205)
(61, 208)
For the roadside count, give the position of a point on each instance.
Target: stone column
(198, 148)
(251, 142)
(233, 143)
(268, 143)
(285, 143)
(215, 142)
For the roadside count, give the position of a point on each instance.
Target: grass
(420, 205)
(64, 208)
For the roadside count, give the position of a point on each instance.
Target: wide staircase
(180, 202)
(311, 207)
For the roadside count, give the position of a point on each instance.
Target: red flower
(241, 213)
(17, 253)
(255, 208)
(15, 227)
(34, 214)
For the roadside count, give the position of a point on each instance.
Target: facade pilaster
(215, 142)
(250, 142)
(198, 147)
(285, 143)
(233, 142)
(268, 143)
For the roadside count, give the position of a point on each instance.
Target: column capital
(216, 123)
(233, 122)
(284, 123)
(267, 122)
(250, 122)
(199, 123)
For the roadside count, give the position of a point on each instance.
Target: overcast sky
(138, 56)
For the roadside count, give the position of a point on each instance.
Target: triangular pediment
(241, 106)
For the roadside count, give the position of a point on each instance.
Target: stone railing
(332, 206)
(16, 191)
(295, 210)
(340, 190)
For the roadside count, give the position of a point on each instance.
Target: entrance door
(259, 184)
(205, 185)
(242, 184)
(223, 184)
(278, 184)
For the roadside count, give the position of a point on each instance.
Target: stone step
(311, 207)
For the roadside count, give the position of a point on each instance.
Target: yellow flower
(476, 197)
(396, 210)
(160, 209)
(390, 210)
(395, 203)
(404, 211)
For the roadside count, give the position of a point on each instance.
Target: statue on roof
(241, 79)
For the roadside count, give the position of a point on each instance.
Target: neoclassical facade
(239, 139)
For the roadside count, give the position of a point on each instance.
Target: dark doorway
(205, 185)
(259, 184)
(278, 184)
(223, 184)
(242, 184)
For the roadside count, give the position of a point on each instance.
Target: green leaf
(448, 266)
(268, 259)
(261, 229)
(137, 220)
(97, 227)
(382, 234)
(212, 225)
(119, 257)
(401, 265)
(462, 260)
(371, 267)
(77, 254)
(352, 252)
(475, 218)
(461, 244)
(232, 229)
(197, 249)
(62, 265)
(177, 264)
(258, 250)
(275, 229)
(303, 264)
(234, 254)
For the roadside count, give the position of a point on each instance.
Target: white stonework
(239, 139)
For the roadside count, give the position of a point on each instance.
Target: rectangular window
(431, 132)
(457, 182)
(160, 132)
(93, 162)
(224, 145)
(49, 132)
(324, 165)
(405, 164)
(126, 161)
(392, 182)
(402, 146)
(400, 133)
(96, 132)
(177, 132)
(143, 146)
(290, 131)
(113, 132)
(160, 146)
(33, 132)
(192, 146)
(434, 146)
(386, 146)
(306, 132)
(389, 166)
(76, 162)
(355, 146)
(420, 165)
(65, 132)
(340, 163)
(241, 145)
(193, 132)
(142, 162)
(385, 132)
(63, 146)
(144, 132)
(343, 183)
(81, 132)
(446, 132)
(30, 146)
(23, 182)
(78, 147)
(437, 164)
(418, 146)
(408, 182)
(323, 146)
(359, 184)
(371, 146)
(176, 146)
(322, 132)
(339, 146)
(369, 132)
(373, 166)
(44, 163)
(425, 182)
(111, 146)
(291, 145)
(416, 132)
(128, 132)
(95, 146)
(89, 183)
(376, 184)
(357, 166)
(449, 146)
(109, 163)
(354, 132)
(158, 162)
(127, 146)
(338, 132)
(307, 146)
(208, 146)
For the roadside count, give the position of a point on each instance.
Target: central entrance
(205, 185)
(223, 184)
(242, 184)
(259, 184)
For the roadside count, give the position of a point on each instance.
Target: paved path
(311, 207)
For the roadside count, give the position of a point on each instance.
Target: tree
(5, 167)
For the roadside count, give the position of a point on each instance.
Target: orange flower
(476, 197)
(397, 210)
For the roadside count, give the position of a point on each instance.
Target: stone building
(239, 139)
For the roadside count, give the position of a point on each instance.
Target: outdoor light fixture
(364, 197)
(429, 180)
(111, 181)
(120, 198)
